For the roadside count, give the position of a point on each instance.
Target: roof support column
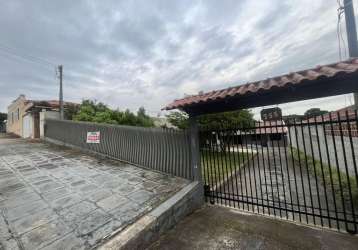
(194, 148)
(198, 197)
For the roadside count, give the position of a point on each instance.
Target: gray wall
(164, 150)
(319, 143)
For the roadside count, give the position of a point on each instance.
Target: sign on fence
(93, 137)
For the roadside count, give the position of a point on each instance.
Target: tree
(313, 112)
(3, 117)
(178, 119)
(71, 110)
(92, 111)
(242, 118)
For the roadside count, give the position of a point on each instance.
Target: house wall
(16, 111)
(27, 126)
(330, 154)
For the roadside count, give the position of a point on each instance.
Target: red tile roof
(268, 127)
(46, 104)
(295, 78)
(346, 113)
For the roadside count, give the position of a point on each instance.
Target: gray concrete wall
(333, 154)
(151, 226)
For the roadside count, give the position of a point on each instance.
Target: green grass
(325, 174)
(216, 166)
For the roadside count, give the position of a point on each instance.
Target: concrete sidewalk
(57, 198)
(215, 227)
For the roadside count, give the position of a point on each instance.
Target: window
(18, 114)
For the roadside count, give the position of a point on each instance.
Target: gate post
(194, 148)
(195, 161)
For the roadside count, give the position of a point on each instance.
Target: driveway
(271, 179)
(57, 198)
(215, 227)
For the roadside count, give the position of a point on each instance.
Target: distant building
(267, 133)
(331, 138)
(271, 114)
(25, 118)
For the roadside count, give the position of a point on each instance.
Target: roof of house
(345, 113)
(321, 79)
(267, 127)
(53, 104)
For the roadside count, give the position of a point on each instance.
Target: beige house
(26, 118)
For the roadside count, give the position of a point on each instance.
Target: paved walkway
(222, 228)
(270, 179)
(56, 198)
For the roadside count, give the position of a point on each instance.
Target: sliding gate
(304, 171)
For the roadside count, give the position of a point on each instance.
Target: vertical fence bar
(347, 174)
(322, 172)
(280, 160)
(315, 175)
(271, 127)
(264, 168)
(330, 171)
(258, 168)
(300, 167)
(338, 172)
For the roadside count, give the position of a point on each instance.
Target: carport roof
(321, 81)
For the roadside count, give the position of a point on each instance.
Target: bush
(313, 164)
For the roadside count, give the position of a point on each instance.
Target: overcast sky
(146, 53)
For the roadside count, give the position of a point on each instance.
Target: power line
(27, 57)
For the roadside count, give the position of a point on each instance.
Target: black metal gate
(303, 170)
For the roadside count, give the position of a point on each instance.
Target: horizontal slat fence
(164, 150)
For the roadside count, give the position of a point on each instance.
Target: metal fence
(164, 150)
(304, 171)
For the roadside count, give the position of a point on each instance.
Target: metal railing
(165, 150)
(304, 171)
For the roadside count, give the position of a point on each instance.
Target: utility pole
(60, 70)
(351, 35)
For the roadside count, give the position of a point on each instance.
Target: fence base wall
(150, 227)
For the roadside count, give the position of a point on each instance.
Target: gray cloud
(134, 53)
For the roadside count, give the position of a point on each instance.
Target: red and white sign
(93, 137)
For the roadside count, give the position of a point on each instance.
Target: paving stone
(125, 190)
(111, 184)
(112, 202)
(10, 244)
(42, 207)
(31, 221)
(99, 195)
(4, 230)
(25, 210)
(69, 242)
(141, 196)
(74, 214)
(21, 200)
(88, 188)
(102, 233)
(66, 201)
(49, 187)
(55, 194)
(44, 235)
(48, 166)
(93, 221)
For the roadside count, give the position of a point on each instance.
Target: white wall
(331, 154)
(27, 125)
